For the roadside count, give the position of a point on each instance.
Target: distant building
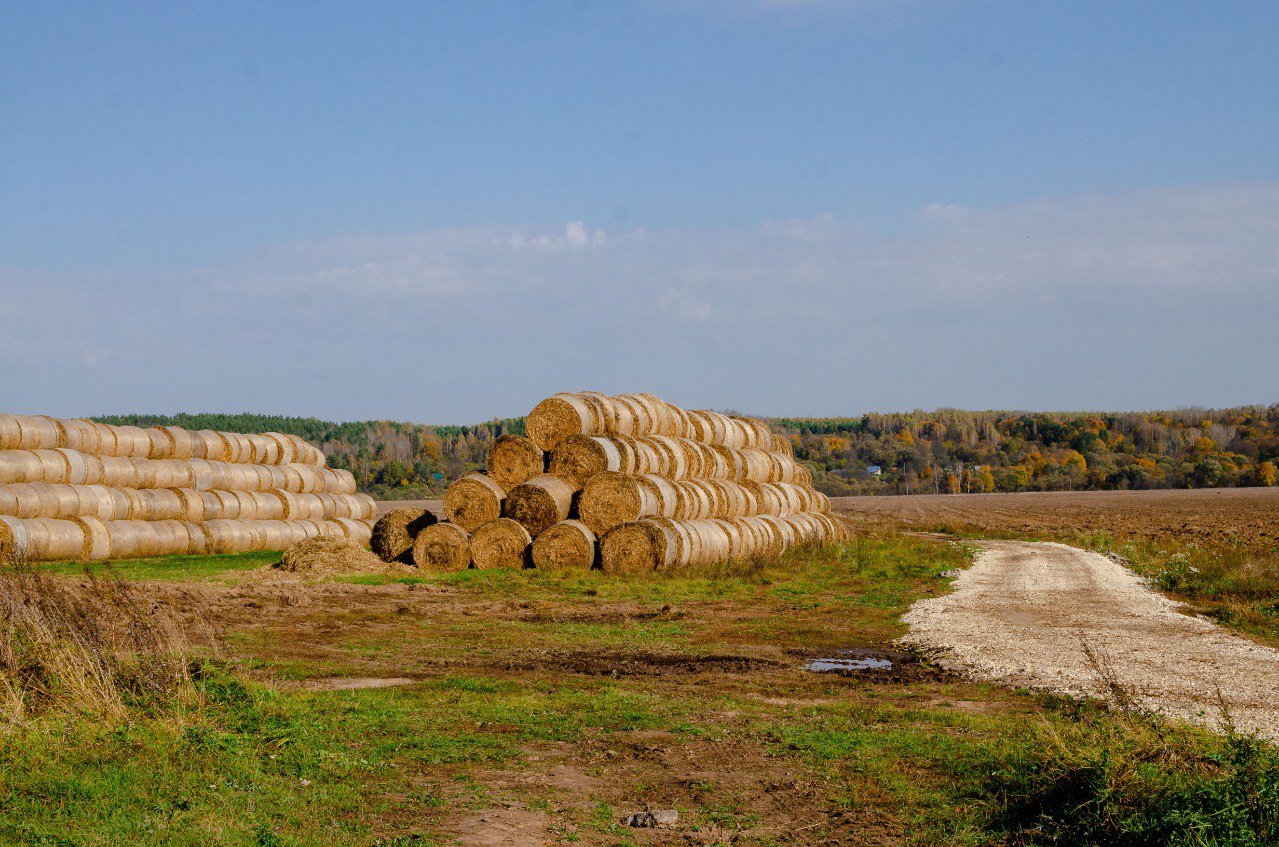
(874, 470)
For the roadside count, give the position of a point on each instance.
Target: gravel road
(1028, 614)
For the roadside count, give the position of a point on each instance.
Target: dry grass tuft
(320, 556)
(93, 648)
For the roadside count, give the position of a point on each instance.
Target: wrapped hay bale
(181, 442)
(540, 503)
(20, 466)
(227, 536)
(610, 499)
(81, 436)
(577, 458)
(353, 530)
(442, 547)
(40, 433)
(637, 547)
(323, 556)
(394, 533)
(10, 432)
(15, 542)
(561, 416)
(503, 543)
(50, 539)
(97, 541)
(514, 459)
(473, 501)
(568, 545)
(214, 449)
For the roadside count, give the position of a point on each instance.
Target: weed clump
(94, 648)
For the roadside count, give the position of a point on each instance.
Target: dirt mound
(319, 557)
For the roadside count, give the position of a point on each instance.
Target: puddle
(851, 660)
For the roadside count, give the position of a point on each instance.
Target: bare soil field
(1248, 516)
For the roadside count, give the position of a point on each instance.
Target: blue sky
(443, 212)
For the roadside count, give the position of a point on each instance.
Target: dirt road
(1028, 614)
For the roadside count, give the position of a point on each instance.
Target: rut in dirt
(1053, 617)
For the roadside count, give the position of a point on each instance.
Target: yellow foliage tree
(1266, 473)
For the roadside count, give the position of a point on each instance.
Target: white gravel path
(1023, 612)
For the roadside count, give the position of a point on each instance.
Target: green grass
(171, 568)
(931, 761)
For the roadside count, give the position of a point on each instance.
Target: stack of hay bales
(76, 489)
(628, 483)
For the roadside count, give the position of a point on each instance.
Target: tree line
(943, 451)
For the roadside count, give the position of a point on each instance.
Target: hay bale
(540, 503)
(393, 535)
(637, 547)
(442, 547)
(319, 556)
(503, 543)
(473, 501)
(514, 459)
(15, 542)
(580, 457)
(569, 545)
(610, 499)
(10, 432)
(558, 417)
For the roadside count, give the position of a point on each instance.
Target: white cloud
(1159, 297)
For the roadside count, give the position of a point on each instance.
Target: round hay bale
(637, 547)
(197, 540)
(10, 432)
(15, 541)
(540, 503)
(287, 447)
(611, 499)
(97, 541)
(603, 410)
(181, 442)
(580, 457)
(503, 543)
(353, 530)
(569, 545)
(558, 417)
(82, 436)
(363, 506)
(131, 442)
(442, 547)
(231, 446)
(336, 480)
(229, 536)
(394, 533)
(39, 433)
(52, 539)
(266, 449)
(473, 500)
(19, 466)
(514, 459)
(320, 556)
(107, 445)
(161, 443)
(214, 446)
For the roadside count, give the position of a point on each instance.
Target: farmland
(511, 707)
(1215, 548)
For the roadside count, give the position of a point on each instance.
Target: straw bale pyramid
(628, 483)
(77, 489)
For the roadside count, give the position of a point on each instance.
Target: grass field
(542, 708)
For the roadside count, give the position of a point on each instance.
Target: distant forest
(946, 451)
